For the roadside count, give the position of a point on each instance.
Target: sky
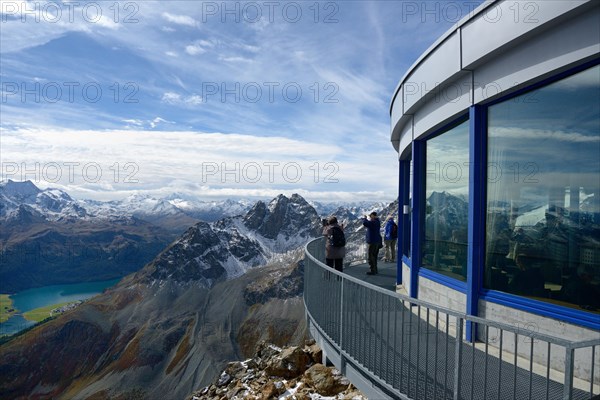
(209, 99)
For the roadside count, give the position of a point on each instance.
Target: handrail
(368, 330)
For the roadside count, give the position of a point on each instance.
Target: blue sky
(210, 99)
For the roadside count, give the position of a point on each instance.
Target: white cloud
(543, 135)
(224, 165)
(171, 98)
(158, 121)
(194, 100)
(179, 19)
(177, 99)
(135, 122)
(235, 59)
(205, 43)
(362, 65)
(27, 24)
(249, 48)
(194, 49)
(199, 47)
(107, 22)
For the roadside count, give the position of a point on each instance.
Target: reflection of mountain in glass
(446, 224)
(562, 243)
(446, 213)
(543, 203)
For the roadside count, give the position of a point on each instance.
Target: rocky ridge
(293, 372)
(49, 238)
(210, 253)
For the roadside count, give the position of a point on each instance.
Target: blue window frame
(485, 233)
(419, 209)
(446, 202)
(404, 206)
(404, 220)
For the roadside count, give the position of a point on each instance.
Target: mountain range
(57, 205)
(209, 253)
(209, 297)
(47, 237)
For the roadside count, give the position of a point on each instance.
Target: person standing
(335, 242)
(373, 238)
(390, 238)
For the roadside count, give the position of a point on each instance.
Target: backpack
(337, 237)
(394, 231)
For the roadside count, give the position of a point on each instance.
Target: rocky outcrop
(283, 219)
(283, 285)
(255, 217)
(289, 373)
(196, 256)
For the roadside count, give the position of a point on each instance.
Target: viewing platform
(391, 346)
(385, 278)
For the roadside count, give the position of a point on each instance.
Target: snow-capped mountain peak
(18, 190)
(49, 203)
(209, 253)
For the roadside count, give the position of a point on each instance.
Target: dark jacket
(373, 228)
(332, 251)
(389, 233)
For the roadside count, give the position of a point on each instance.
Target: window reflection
(543, 193)
(447, 207)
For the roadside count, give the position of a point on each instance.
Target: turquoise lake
(31, 299)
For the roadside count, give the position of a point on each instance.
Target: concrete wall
(406, 278)
(441, 295)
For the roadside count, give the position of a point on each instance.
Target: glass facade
(447, 208)
(543, 193)
(506, 152)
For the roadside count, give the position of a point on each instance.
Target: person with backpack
(335, 244)
(390, 238)
(373, 238)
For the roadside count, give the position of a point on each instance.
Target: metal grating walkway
(429, 373)
(399, 347)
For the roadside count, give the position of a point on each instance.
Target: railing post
(341, 315)
(458, 358)
(569, 360)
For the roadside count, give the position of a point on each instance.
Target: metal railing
(407, 348)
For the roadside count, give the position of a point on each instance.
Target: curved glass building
(497, 127)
